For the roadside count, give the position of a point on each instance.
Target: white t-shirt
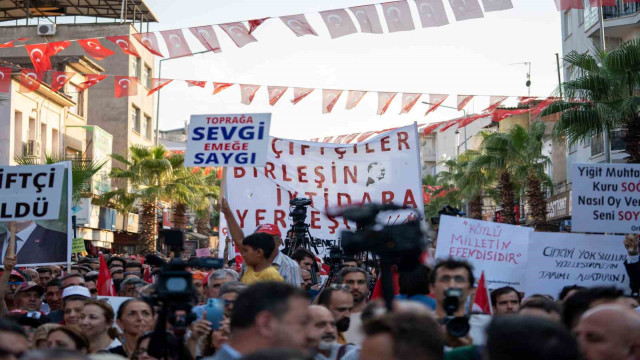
(354, 334)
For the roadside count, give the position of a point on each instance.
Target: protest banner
(562, 259)
(500, 250)
(228, 140)
(384, 169)
(606, 198)
(204, 252)
(36, 200)
(78, 246)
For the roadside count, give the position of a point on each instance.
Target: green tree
(603, 97)
(516, 158)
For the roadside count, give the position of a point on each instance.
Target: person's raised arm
(9, 264)
(234, 229)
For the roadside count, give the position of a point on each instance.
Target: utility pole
(559, 79)
(606, 134)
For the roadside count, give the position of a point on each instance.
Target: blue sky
(469, 57)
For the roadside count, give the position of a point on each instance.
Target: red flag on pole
(95, 49)
(408, 101)
(157, 84)
(298, 24)
(90, 80)
(124, 43)
(5, 79)
(30, 80)
(299, 94)
(125, 86)
(150, 42)
(39, 55)
(105, 283)
(329, 99)
(398, 16)
(368, 19)
(482, 296)
(207, 37)
(217, 87)
(463, 100)
(432, 13)
(176, 43)
(435, 100)
(59, 78)
(238, 33)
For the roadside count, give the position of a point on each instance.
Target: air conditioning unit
(47, 29)
(32, 148)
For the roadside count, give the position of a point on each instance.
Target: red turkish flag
(524, 100)
(10, 44)
(30, 80)
(55, 47)
(398, 16)
(59, 78)
(95, 49)
(435, 100)
(253, 24)
(157, 84)
(536, 110)
(217, 87)
(247, 93)
(432, 13)
(429, 128)
(368, 18)
(299, 94)
(207, 37)
(90, 80)
(569, 4)
(39, 55)
(466, 9)
(125, 86)
(384, 100)
(450, 123)
(338, 23)
(5, 79)
(329, 99)
(238, 33)
(125, 44)
(275, 93)
(463, 100)
(105, 283)
(408, 101)
(494, 102)
(501, 114)
(176, 43)
(197, 83)
(482, 296)
(469, 119)
(353, 98)
(298, 24)
(150, 42)
(498, 5)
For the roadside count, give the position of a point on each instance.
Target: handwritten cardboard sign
(228, 140)
(606, 198)
(561, 259)
(500, 250)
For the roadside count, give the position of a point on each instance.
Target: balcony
(621, 21)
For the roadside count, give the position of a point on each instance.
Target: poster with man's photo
(35, 201)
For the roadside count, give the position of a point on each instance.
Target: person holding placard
(36, 244)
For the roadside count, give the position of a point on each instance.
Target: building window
(567, 23)
(135, 119)
(136, 68)
(597, 145)
(78, 98)
(617, 140)
(148, 127)
(573, 147)
(146, 80)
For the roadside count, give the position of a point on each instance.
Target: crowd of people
(281, 307)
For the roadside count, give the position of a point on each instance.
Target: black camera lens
(457, 326)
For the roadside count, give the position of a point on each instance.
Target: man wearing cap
(10, 280)
(28, 296)
(287, 267)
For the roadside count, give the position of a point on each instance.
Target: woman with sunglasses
(96, 321)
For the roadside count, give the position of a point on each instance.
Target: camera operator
(451, 282)
(287, 267)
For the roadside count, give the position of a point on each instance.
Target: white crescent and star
(123, 44)
(338, 21)
(295, 24)
(428, 12)
(38, 58)
(394, 10)
(31, 75)
(204, 33)
(92, 44)
(63, 77)
(175, 43)
(239, 33)
(127, 81)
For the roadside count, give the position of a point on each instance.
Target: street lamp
(159, 90)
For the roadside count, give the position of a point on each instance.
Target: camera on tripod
(457, 326)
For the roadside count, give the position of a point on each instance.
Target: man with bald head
(609, 332)
(322, 337)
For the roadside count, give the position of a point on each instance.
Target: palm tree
(604, 95)
(147, 172)
(517, 155)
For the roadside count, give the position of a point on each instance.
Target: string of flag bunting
(579, 4)
(31, 80)
(398, 16)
